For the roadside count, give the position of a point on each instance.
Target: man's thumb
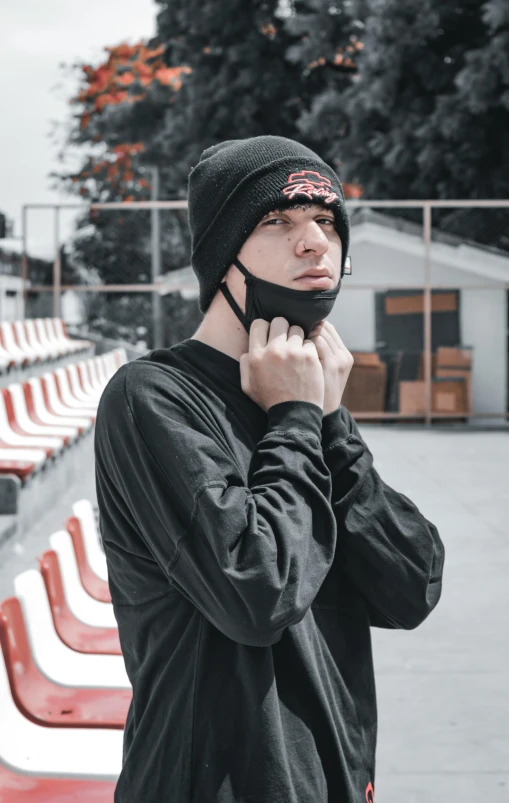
(244, 372)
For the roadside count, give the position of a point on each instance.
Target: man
(250, 541)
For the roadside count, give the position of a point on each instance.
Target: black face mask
(268, 300)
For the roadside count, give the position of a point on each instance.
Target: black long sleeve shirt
(248, 554)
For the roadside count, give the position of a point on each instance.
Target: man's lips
(315, 281)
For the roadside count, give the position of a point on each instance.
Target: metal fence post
(57, 278)
(427, 312)
(24, 256)
(157, 322)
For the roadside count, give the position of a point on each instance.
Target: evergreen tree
(429, 111)
(326, 48)
(241, 85)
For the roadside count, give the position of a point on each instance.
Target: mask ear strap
(233, 304)
(248, 280)
(248, 276)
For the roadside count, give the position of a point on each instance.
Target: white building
(391, 251)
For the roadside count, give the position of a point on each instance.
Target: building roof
(377, 228)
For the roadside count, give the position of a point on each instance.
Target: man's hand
(336, 363)
(280, 365)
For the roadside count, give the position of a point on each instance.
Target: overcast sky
(35, 37)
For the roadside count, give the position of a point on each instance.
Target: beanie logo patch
(311, 184)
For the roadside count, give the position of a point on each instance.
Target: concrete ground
(20, 553)
(443, 689)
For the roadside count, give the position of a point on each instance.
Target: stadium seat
(54, 401)
(10, 432)
(72, 631)
(48, 703)
(17, 787)
(81, 604)
(11, 346)
(77, 387)
(60, 331)
(68, 347)
(94, 378)
(31, 335)
(26, 422)
(35, 343)
(27, 747)
(92, 583)
(85, 380)
(100, 368)
(57, 661)
(44, 411)
(23, 463)
(42, 337)
(7, 360)
(37, 352)
(96, 558)
(45, 419)
(67, 397)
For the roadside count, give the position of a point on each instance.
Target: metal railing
(498, 280)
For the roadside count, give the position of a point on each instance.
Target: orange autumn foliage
(117, 169)
(109, 83)
(269, 30)
(352, 190)
(339, 58)
(170, 76)
(126, 70)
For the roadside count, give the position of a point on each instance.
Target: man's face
(287, 243)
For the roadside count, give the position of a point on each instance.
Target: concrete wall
(483, 324)
(72, 308)
(353, 316)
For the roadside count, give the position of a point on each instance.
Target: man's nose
(312, 238)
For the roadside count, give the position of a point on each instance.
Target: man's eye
(280, 220)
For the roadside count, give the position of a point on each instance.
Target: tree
(429, 109)
(227, 71)
(242, 84)
(119, 104)
(326, 49)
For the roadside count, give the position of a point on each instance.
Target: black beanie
(236, 183)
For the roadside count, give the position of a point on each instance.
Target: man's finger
(332, 344)
(258, 334)
(331, 329)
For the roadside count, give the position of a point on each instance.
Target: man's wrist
(334, 427)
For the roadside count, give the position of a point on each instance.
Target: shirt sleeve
(392, 553)
(249, 555)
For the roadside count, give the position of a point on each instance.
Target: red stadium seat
(25, 423)
(33, 341)
(54, 402)
(72, 631)
(93, 585)
(10, 344)
(21, 468)
(11, 433)
(36, 353)
(44, 702)
(37, 401)
(16, 787)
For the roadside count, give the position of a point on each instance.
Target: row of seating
(43, 416)
(31, 341)
(64, 691)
